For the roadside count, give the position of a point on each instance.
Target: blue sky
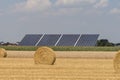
(20, 17)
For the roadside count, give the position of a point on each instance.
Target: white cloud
(101, 3)
(115, 11)
(33, 5)
(72, 6)
(72, 2)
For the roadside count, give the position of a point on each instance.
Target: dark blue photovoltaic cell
(30, 40)
(59, 40)
(68, 40)
(88, 40)
(49, 40)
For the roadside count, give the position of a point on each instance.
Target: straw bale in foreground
(3, 53)
(117, 62)
(44, 55)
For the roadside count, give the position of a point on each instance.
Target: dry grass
(19, 65)
(64, 69)
(65, 54)
(44, 55)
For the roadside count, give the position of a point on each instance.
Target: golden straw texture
(3, 53)
(117, 62)
(44, 55)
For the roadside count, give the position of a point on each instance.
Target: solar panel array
(59, 40)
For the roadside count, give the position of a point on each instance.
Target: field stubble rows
(21, 68)
(66, 54)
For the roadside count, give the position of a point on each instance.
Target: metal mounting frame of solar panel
(30, 39)
(88, 40)
(49, 40)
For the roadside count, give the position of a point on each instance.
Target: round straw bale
(44, 55)
(3, 53)
(117, 62)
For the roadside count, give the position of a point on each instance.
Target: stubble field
(81, 65)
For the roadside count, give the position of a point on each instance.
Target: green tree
(104, 42)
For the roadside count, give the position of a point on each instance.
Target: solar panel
(59, 40)
(49, 40)
(68, 40)
(30, 40)
(87, 40)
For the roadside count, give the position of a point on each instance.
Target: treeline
(105, 42)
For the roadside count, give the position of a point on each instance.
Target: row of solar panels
(59, 40)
